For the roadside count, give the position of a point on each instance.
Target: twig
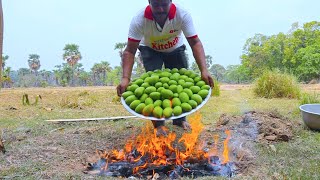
(92, 119)
(2, 145)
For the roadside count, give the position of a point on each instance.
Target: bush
(307, 98)
(44, 84)
(216, 88)
(273, 84)
(83, 99)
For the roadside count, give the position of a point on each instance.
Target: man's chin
(160, 16)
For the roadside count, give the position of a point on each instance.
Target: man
(156, 31)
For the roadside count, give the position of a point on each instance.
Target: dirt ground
(250, 129)
(247, 130)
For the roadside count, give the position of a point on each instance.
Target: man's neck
(161, 21)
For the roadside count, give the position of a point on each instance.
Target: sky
(44, 27)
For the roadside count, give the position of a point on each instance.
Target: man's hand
(205, 75)
(127, 64)
(122, 86)
(198, 54)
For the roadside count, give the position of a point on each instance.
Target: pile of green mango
(165, 93)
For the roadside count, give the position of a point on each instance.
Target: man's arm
(199, 56)
(127, 64)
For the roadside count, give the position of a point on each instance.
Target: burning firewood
(149, 156)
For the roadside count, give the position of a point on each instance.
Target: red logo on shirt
(168, 45)
(172, 31)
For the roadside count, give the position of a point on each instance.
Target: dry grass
(40, 150)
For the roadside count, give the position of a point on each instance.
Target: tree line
(296, 52)
(70, 73)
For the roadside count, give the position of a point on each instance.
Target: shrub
(116, 99)
(83, 93)
(44, 84)
(78, 101)
(216, 88)
(307, 98)
(273, 84)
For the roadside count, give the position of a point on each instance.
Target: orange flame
(190, 139)
(226, 148)
(161, 150)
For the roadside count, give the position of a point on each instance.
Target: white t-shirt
(144, 29)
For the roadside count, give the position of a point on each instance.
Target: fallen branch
(2, 145)
(92, 119)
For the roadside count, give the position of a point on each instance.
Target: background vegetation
(296, 52)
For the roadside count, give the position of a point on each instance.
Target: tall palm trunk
(1, 41)
(1, 46)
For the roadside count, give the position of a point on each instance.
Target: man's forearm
(127, 64)
(198, 54)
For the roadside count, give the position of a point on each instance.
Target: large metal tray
(172, 117)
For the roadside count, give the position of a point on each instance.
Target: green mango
(166, 94)
(203, 93)
(197, 98)
(177, 110)
(147, 111)
(186, 107)
(184, 98)
(167, 112)
(157, 112)
(140, 108)
(127, 94)
(130, 99)
(134, 104)
(139, 91)
(166, 103)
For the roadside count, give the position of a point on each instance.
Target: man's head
(160, 8)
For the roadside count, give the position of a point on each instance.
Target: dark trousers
(153, 60)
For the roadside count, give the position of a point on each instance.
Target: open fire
(148, 156)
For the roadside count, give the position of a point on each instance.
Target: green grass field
(37, 149)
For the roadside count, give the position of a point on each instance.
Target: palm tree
(23, 72)
(95, 72)
(3, 74)
(1, 42)
(72, 55)
(4, 59)
(66, 74)
(139, 68)
(7, 82)
(115, 76)
(1, 46)
(100, 71)
(120, 47)
(106, 68)
(209, 61)
(34, 63)
(57, 74)
(78, 68)
(45, 75)
(84, 77)
(23, 75)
